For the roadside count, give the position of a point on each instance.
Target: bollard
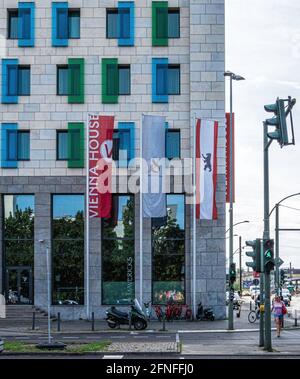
(58, 321)
(33, 320)
(250, 305)
(93, 321)
(296, 318)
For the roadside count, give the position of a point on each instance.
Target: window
(70, 80)
(174, 79)
(123, 143)
(15, 145)
(21, 24)
(62, 80)
(18, 244)
(70, 145)
(12, 24)
(172, 143)
(112, 23)
(168, 253)
(24, 81)
(118, 263)
(74, 23)
(166, 80)
(173, 23)
(120, 23)
(115, 80)
(68, 249)
(15, 81)
(62, 145)
(65, 24)
(124, 79)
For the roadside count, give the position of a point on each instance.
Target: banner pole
(87, 222)
(194, 215)
(141, 213)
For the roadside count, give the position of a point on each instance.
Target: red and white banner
(100, 147)
(228, 158)
(206, 169)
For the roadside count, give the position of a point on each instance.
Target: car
(1, 345)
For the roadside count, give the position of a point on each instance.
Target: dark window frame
(10, 13)
(58, 67)
(177, 66)
(124, 66)
(24, 67)
(110, 11)
(17, 132)
(173, 131)
(171, 239)
(58, 132)
(174, 10)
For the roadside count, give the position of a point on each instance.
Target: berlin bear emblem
(207, 161)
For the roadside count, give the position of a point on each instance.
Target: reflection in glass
(168, 249)
(118, 252)
(68, 249)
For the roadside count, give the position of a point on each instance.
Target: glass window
(23, 145)
(168, 249)
(173, 23)
(172, 144)
(62, 145)
(19, 230)
(174, 80)
(118, 279)
(62, 80)
(112, 23)
(121, 145)
(74, 23)
(23, 80)
(124, 80)
(68, 249)
(13, 24)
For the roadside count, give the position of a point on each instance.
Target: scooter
(115, 317)
(205, 313)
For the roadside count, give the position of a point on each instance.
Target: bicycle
(253, 316)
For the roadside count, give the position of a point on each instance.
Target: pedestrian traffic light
(255, 255)
(269, 262)
(281, 112)
(232, 273)
(282, 277)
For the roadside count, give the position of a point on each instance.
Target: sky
(263, 45)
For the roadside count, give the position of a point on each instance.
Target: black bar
(93, 321)
(58, 321)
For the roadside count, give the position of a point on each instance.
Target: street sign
(278, 262)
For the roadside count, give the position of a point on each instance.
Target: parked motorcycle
(115, 317)
(205, 313)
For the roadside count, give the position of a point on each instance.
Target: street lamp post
(232, 77)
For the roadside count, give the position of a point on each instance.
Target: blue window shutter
(126, 23)
(160, 80)
(10, 81)
(26, 24)
(60, 24)
(9, 145)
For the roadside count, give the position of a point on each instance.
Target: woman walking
(278, 309)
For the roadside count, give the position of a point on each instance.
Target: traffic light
(232, 273)
(269, 262)
(282, 277)
(281, 111)
(255, 255)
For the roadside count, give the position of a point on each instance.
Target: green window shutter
(75, 145)
(76, 80)
(110, 81)
(160, 23)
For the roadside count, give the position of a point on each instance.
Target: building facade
(61, 60)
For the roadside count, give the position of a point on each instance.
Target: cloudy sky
(263, 45)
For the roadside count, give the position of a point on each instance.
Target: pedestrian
(278, 308)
